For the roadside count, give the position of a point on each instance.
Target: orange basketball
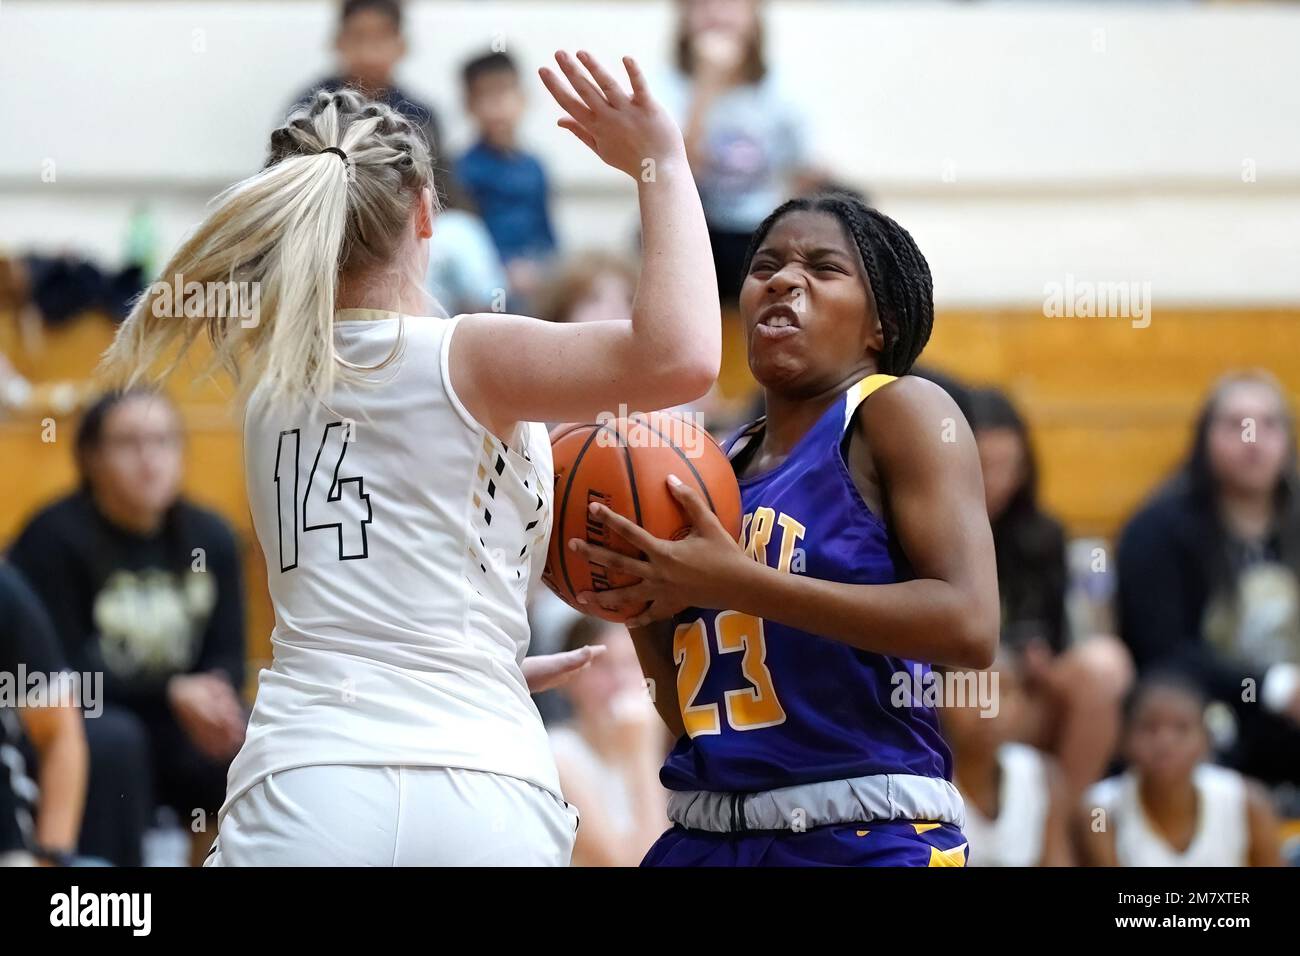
(624, 464)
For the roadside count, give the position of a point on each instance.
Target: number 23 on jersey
(748, 708)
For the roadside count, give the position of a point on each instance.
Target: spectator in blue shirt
(506, 183)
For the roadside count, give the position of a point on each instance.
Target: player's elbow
(975, 642)
(684, 378)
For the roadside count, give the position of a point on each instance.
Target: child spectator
(370, 44)
(145, 588)
(609, 754)
(1017, 808)
(505, 182)
(465, 272)
(1171, 807)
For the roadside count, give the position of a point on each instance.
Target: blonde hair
(290, 232)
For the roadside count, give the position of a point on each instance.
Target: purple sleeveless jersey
(768, 706)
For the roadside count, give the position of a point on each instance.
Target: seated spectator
(39, 821)
(1073, 690)
(370, 44)
(465, 273)
(744, 137)
(1017, 809)
(506, 182)
(609, 753)
(144, 587)
(1171, 807)
(589, 286)
(1209, 572)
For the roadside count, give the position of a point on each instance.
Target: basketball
(624, 464)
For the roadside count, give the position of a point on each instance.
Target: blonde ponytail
(279, 242)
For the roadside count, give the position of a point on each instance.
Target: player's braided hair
(334, 199)
(387, 160)
(897, 272)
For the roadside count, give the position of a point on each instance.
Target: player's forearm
(676, 318)
(924, 620)
(655, 652)
(64, 766)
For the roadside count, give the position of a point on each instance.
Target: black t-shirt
(139, 608)
(26, 639)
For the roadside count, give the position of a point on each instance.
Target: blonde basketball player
(399, 486)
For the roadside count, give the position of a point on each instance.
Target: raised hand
(629, 132)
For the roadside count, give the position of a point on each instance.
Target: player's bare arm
(512, 368)
(947, 615)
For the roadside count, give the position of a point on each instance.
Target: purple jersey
(766, 705)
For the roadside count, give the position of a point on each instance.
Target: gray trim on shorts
(858, 800)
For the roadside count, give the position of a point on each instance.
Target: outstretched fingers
(587, 90)
(639, 85)
(564, 96)
(608, 84)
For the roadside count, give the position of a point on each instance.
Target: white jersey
(401, 540)
(1015, 838)
(1222, 835)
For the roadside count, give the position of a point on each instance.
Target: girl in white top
(399, 486)
(609, 754)
(1171, 808)
(1017, 812)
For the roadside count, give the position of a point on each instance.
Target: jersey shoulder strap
(732, 446)
(859, 392)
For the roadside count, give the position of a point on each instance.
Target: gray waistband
(859, 800)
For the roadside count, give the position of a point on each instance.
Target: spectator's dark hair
(484, 65)
(1196, 480)
(753, 67)
(389, 8)
(1166, 679)
(897, 274)
(1029, 543)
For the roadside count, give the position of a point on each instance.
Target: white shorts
(334, 815)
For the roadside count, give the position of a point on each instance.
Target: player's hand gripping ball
(624, 465)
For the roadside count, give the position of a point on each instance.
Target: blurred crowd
(1148, 689)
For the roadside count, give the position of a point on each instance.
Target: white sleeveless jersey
(401, 540)
(1015, 838)
(1222, 835)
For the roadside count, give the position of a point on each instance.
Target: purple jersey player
(866, 556)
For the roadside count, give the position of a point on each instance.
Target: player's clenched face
(810, 321)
